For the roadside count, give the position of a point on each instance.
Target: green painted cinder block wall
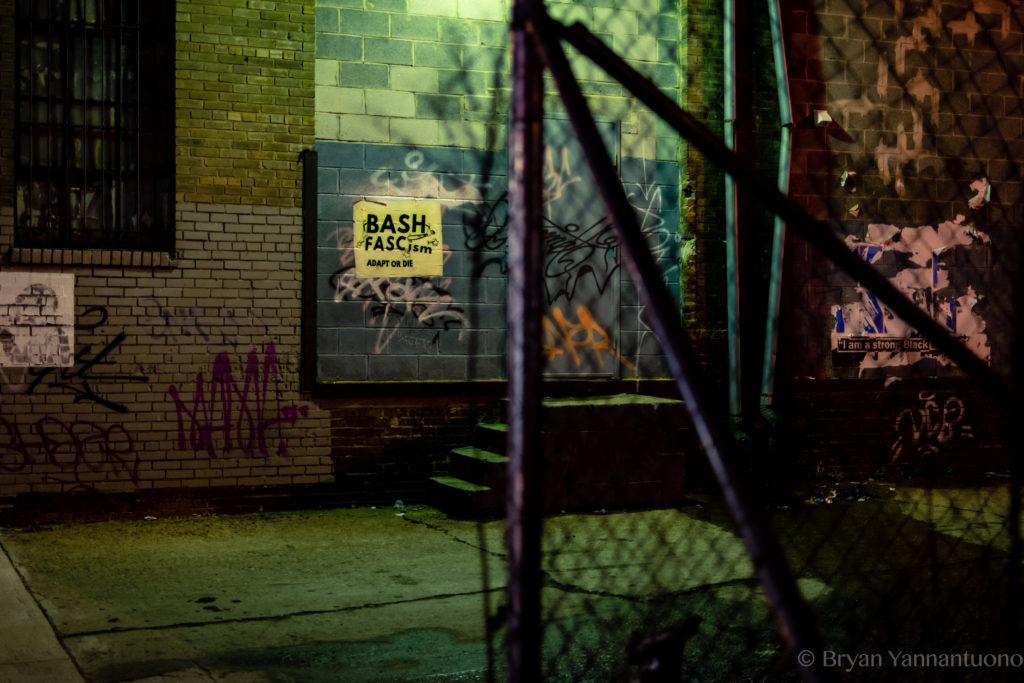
(436, 72)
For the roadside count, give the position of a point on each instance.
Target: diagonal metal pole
(523, 525)
(823, 236)
(795, 622)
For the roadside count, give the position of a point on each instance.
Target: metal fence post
(524, 357)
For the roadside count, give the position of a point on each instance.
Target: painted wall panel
(415, 328)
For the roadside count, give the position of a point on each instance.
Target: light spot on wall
(921, 89)
(967, 27)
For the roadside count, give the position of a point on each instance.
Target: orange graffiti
(562, 336)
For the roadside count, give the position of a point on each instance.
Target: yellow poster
(397, 237)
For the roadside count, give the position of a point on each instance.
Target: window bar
(21, 155)
(113, 152)
(138, 132)
(98, 137)
(72, 134)
(19, 146)
(72, 127)
(140, 126)
(103, 134)
(122, 149)
(60, 232)
(36, 94)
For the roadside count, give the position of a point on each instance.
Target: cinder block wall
(186, 371)
(412, 100)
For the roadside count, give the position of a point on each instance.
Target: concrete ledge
(90, 257)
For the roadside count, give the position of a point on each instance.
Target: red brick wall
(387, 448)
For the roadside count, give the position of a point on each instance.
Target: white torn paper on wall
(37, 320)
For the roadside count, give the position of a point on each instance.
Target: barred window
(95, 124)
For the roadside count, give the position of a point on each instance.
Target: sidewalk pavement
(30, 652)
(351, 595)
(336, 595)
(405, 594)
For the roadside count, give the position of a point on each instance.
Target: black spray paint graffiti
(574, 253)
(80, 378)
(924, 430)
(172, 322)
(244, 416)
(82, 450)
(485, 233)
(392, 302)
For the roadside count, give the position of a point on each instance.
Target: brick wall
(435, 73)
(185, 376)
(915, 163)
(911, 429)
(244, 98)
(386, 448)
(416, 72)
(186, 371)
(703, 193)
(452, 328)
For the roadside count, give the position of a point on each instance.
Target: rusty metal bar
(795, 621)
(821, 235)
(524, 500)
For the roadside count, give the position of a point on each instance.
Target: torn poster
(37, 320)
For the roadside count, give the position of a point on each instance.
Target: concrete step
(622, 411)
(479, 466)
(462, 497)
(491, 436)
(620, 451)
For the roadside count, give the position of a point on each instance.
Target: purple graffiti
(243, 416)
(170, 322)
(80, 449)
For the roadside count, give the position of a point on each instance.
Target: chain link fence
(901, 534)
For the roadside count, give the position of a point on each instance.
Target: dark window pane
(95, 120)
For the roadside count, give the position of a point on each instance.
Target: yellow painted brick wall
(244, 80)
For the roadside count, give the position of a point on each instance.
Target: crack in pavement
(452, 536)
(548, 579)
(274, 617)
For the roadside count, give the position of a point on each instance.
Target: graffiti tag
(925, 429)
(79, 378)
(77, 447)
(225, 417)
(562, 337)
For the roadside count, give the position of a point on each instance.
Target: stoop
(607, 451)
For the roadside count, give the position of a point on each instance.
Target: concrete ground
(404, 594)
